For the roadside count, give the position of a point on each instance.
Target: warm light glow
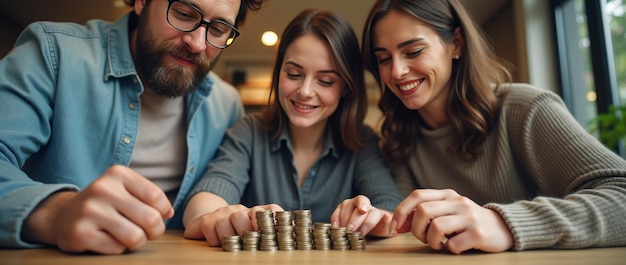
(229, 41)
(119, 4)
(591, 96)
(269, 38)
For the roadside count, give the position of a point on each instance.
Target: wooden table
(172, 249)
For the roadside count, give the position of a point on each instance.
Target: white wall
(540, 43)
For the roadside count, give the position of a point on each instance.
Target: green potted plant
(610, 126)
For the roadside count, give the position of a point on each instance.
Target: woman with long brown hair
(484, 163)
(308, 150)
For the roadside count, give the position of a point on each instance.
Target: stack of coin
(250, 240)
(321, 236)
(284, 230)
(277, 232)
(356, 240)
(265, 221)
(303, 226)
(338, 238)
(230, 243)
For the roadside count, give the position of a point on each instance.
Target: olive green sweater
(555, 185)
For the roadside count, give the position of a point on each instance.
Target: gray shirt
(252, 169)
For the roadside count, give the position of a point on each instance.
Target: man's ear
(139, 5)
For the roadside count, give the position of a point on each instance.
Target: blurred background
(576, 48)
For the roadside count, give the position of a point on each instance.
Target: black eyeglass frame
(234, 34)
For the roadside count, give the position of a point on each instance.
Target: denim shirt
(69, 98)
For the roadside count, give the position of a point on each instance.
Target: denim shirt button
(132, 106)
(127, 140)
(192, 169)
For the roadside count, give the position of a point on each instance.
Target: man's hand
(120, 211)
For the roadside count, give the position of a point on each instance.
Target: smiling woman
(484, 163)
(308, 149)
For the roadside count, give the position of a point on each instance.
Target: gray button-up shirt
(252, 169)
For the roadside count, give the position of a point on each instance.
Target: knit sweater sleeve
(581, 200)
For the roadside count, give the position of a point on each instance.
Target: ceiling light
(269, 38)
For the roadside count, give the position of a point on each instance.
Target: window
(616, 14)
(591, 37)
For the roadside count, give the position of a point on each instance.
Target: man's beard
(169, 80)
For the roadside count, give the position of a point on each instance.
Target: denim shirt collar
(120, 59)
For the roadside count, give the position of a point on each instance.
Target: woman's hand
(225, 221)
(443, 218)
(359, 214)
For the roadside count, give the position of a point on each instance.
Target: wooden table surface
(172, 249)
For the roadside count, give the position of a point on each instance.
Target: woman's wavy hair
(246, 5)
(340, 38)
(472, 104)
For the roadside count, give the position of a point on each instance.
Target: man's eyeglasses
(187, 18)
